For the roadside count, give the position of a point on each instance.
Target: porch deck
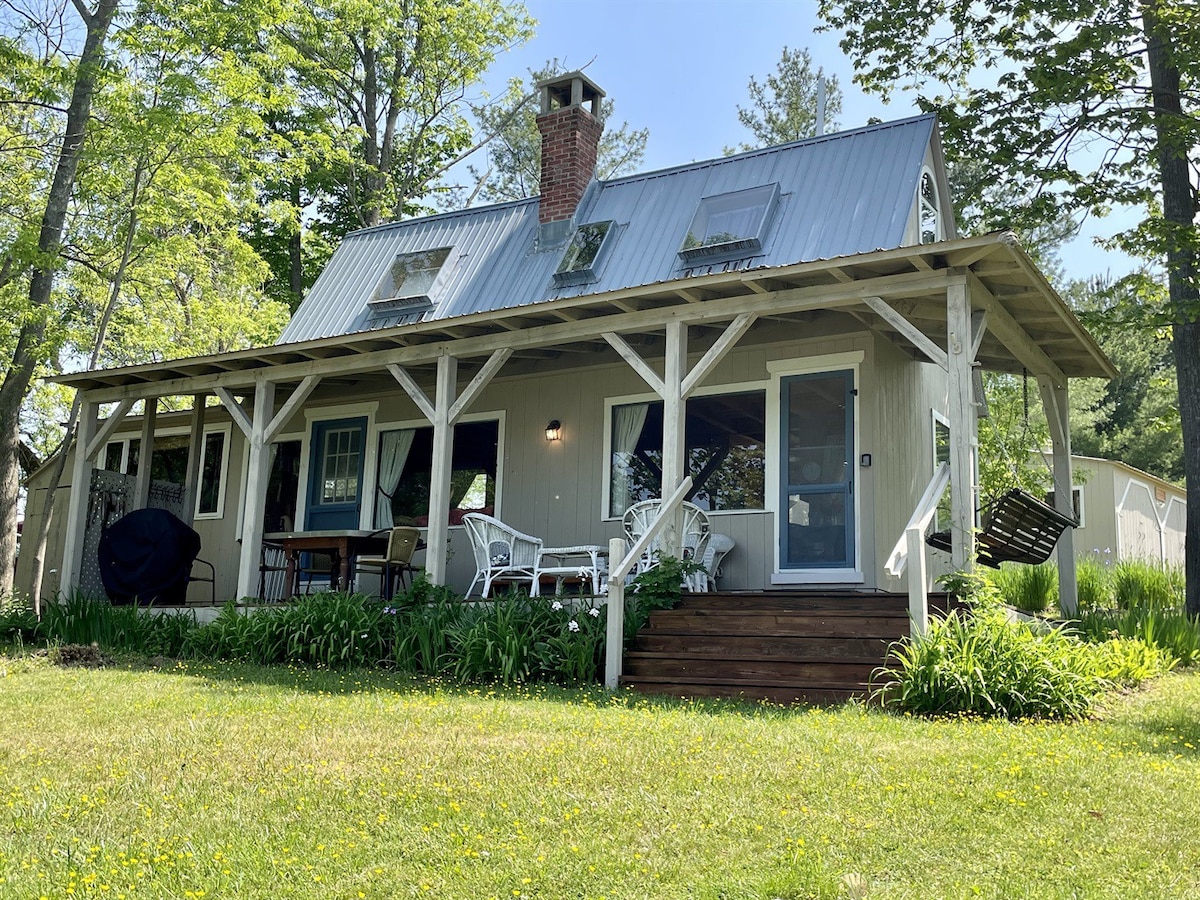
(785, 647)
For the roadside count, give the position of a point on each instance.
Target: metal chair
(403, 543)
(501, 553)
(272, 564)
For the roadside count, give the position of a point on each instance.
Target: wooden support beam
(674, 461)
(438, 535)
(141, 483)
(191, 481)
(978, 330)
(1056, 403)
(81, 489)
(635, 360)
(1010, 333)
(413, 390)
(110, 425)
(717, 352)
(478, 383)
(258, 473)
(909, 330)
(302, 392)
(963, 440)
(236, 411)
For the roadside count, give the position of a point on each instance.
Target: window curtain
(627, 428)
(393, 454)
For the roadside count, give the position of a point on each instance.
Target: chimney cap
(569, 89)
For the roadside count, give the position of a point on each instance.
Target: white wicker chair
(501, 553)
(718, 546)
(693, 537)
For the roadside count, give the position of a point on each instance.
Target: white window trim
(222, 476)
(497, 416)
(741, 387)
(126, 440)
(812, 365)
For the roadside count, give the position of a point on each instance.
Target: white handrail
(921, 516)
(614, 647)
(911, 546)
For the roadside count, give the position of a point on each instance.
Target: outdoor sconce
(554, 430)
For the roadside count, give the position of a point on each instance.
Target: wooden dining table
(342, 545)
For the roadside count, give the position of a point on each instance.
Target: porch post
(192, 482)
(674, 409)
(1055, 402)
(257, 475)
(141, 484)
(438, 537)
(81, 488)
(963, 435)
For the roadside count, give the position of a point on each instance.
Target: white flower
(594, 612)
(572, 625)
(556, 606)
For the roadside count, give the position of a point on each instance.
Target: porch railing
(909, 551)
(614, 646)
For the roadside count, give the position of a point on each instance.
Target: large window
(169, 463)
(406, 464)
(724, 440)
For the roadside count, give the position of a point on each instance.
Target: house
(790, 326)
(1125, 513)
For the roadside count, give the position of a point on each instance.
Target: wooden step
(747, 669)
(784, 647)
(775, 623)
(769, 646)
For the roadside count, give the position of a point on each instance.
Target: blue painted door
(338, 451)
(816, 471)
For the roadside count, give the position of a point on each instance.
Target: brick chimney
(569, 121)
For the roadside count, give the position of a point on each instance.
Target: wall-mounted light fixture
(554, 430)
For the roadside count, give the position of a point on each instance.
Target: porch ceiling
(1029, 325)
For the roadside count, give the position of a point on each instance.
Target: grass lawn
(228, 781)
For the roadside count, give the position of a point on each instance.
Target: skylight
(584, 254)
(411, 275)
(729, 224)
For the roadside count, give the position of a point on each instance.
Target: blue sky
(680, 68)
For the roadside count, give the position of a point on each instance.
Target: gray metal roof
(839, 195)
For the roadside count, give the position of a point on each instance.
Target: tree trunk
(29, 349)
(1174, 148)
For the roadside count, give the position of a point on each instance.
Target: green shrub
(659, 587)
(1141, 583)
(85, 620)
(18, 624)
(1093, 583)
(983, 664)
(1031, 589)
(1170, 630)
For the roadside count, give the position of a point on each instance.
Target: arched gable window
(931, 229)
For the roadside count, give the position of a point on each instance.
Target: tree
(33, 254)
(784, 108)
(514, 144)
(1135, 417)
(1085, 106)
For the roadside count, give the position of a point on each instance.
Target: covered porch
(947, 308)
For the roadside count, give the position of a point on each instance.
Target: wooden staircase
(792, 647)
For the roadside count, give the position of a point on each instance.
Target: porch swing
(1016, 526)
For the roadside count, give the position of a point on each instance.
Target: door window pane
(343, 457)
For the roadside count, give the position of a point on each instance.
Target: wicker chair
(502, 554)
(693, 537)
(403, 542)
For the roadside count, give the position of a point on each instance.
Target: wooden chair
(403, 543)
(502, 554)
